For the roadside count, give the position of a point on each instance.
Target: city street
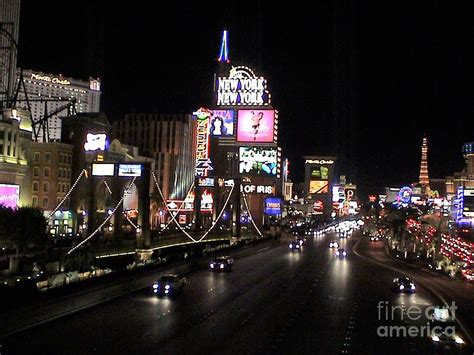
(276, 301)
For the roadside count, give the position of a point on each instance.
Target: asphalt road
(276, 301)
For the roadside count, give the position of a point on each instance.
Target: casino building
(238, 142)
(42, 85)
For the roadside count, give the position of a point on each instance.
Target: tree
(23, 228)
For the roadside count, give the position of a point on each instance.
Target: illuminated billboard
(255, 126)
(206, 181)
(103, 169)
(222, 123)
(9, 195)
(130, 170)
(273, 206)
(203, 162)
(318, 187)
(320, 172)
(95, 142)
(258, 161)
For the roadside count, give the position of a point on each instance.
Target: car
(403, 284)
(302, 241)
(443, 327)
(333, 244)
(467, 273)
(341, 253)
(295, 245)
(374, 238)
(221, 263)
(169, 284)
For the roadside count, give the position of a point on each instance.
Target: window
(35, 201)
(60, 158)
(46, 187)
(46, 172)
(45, 202)
(47, 157)
(35, 186)
(37, 157)
(36, 172)
(59, 188)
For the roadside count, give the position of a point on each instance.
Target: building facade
(50, 86)
(169, 139)
(15, 148)
(50, 181)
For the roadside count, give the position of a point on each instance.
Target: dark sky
(409, 70)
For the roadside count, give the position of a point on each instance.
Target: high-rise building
(40, 85)
(169, 139)
(9, 30)
(424, 177)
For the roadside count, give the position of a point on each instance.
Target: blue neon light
(224, 53)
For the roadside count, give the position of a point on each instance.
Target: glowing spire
(424, 178)
(224, 53)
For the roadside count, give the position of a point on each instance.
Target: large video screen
(103, 169)
(258, 161)
(222, 123)
(318, 187)
(256, 126)
(9, 195)
(319, 172)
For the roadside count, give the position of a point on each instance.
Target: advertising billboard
(318, 187)
(222, 123)
(103, 169)
(256, 126)
(130, 170)
(9, 195)
(320, 172)
(258, 161)
(273, 206)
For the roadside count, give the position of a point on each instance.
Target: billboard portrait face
(255, 126)
(222, 123)
(258, 161)
(318, 187)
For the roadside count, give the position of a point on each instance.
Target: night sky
(409, 70)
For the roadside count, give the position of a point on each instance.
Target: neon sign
(319, 161)
(50, 79)
(203, 163)
(258, 189)
(242, 88)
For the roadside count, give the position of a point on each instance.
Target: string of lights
(107, 219)
(107, 187)
(177, 212)
(214, 223)
(250, 215)
(166, 205)
(67, 194)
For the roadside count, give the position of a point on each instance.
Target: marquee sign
(242, 88)
(257, 189)
(203, 163)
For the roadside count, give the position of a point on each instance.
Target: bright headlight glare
(155, 285)
(222, 266)
(212, 266)
(435, 338)
(402, 287)
(459, 340)
(167, 287)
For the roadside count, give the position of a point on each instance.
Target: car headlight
(344, 253)
(337, 253)
(221, 266)
(402, 287)
(412, 286)
(435, 338)
(297, 246)
(290, 246)
(155, 286)
(458, 340)
(167, 287)
(211, 266)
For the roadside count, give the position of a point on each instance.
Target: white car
(169, 284)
